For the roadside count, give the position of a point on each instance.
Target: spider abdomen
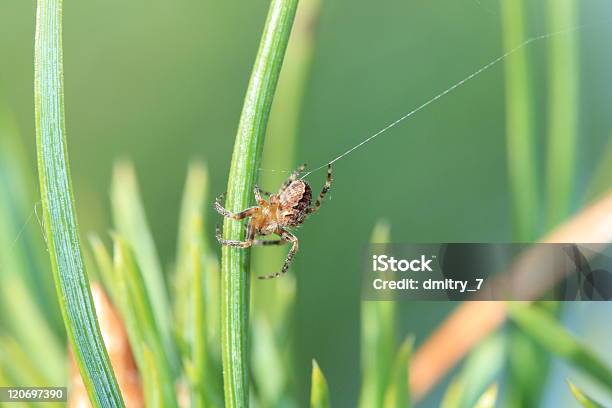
(295, 200)
(297, 195)
(288, 208)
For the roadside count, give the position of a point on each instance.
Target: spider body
(284, 210)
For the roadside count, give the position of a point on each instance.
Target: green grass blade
(377, 340)
(130, 220)
(453, 394)
(21, 241)
(33, 334)
(319, 392)
(243, 172)
(274, 301)
(527, 370)
(189, 234)
(584, 400)
(196, 297)
(19, 365)
(27, 284)
(123, 261)
(524, 384)
(519, 124)
(151, 380)
(478, 372)
(283, 129)
(547, 331)
(201, 377)
(4, 380)
(601, 182)
(142, 323)
(106, 269)
(487, 400)
(199, 392)
(212, 301)
(563, 102)
(268, 368)
(59, 216)
(398, 392)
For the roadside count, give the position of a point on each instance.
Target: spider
(285, 210)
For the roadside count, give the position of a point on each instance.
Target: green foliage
(528, 366)
(175, 330)
(58, 213)
(479, 370)
(377, 340)
(584, 400)
(199, 350)
(563, 111)
(398, 392)
(151, 378)
(138, 306)
(487, 400)
(601, 182)
(527, 369)
(27, 286)
(130, 221)
(519, 124)
(554, 338)
(193, 302)
(190, 239)
(273, 318)
(245, 163)
(319, 392)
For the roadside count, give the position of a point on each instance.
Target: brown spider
(286, 209)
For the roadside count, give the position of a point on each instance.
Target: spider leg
(293, 176)
(237, 244)
(266, 193)
(258, 192)
(324, 190)
(289, 237)
(228, 214)
(262, 242)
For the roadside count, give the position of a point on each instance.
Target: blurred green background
(162, 83)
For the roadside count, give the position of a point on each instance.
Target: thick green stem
(243, 171)
(58, 212)
(519, 124)
(563, 111)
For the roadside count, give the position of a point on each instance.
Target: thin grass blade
(377, 340)
(21, 239)
(398, 391)
(319, 392)
(152, 381)
(479, 370)
(142, 323)
(273, 301)
(130, 220)
(246, 160)
(189, 234)
(203, 379)
(519, 124)
(488, 399)
(563, 99)
(106, 269)
(18, 364)
(554, 338)
(33, 334)
(584, 400)
(601, 181)
(59, 216)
